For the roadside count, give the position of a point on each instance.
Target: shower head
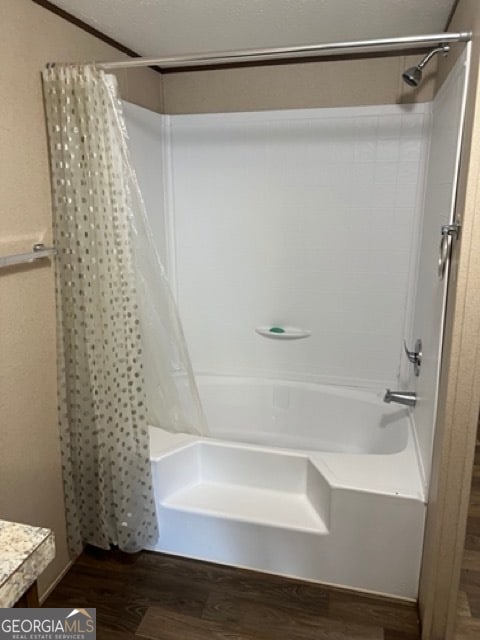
(413, 75)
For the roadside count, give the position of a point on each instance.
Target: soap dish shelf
(289, 333)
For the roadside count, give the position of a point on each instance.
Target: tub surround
(25, 552)
(303, 218)
(300, 218)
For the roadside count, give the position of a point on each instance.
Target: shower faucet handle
(415, 356)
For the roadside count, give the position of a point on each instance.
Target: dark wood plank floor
(468, 621)
(152, 596)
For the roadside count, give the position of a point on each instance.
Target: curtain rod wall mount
(381, 45)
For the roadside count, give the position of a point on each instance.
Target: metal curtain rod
(277, 53)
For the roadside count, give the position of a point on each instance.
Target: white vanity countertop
(25, 552)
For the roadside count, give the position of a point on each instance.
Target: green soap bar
(276, 330)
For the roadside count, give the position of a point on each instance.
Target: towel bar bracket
(39, 252)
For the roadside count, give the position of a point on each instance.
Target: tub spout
(408, 398)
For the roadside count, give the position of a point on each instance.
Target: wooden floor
(468, 622)
(157, 597)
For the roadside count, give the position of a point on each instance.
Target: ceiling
(169, 27)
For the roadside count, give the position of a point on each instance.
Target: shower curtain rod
(278, 53)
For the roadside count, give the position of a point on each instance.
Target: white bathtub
(310, 481)
(302, 416)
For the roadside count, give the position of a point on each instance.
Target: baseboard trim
(52, 585)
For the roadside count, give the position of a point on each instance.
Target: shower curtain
(122, 358)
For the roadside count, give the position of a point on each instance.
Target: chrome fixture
(449, 231)
(413, 75)
(408, 398)
(415, 356)
(39, 252)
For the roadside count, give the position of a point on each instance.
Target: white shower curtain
(122, 357)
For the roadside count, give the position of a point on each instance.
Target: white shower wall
(440, 195)
(147, 146)
(307, 218)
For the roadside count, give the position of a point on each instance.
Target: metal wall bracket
(451, 229)
(39, 252)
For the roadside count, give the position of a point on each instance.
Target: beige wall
(30, 474)
(460, 380)
(295, 86)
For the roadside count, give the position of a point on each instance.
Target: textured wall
(30, 474)
(296, 86)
